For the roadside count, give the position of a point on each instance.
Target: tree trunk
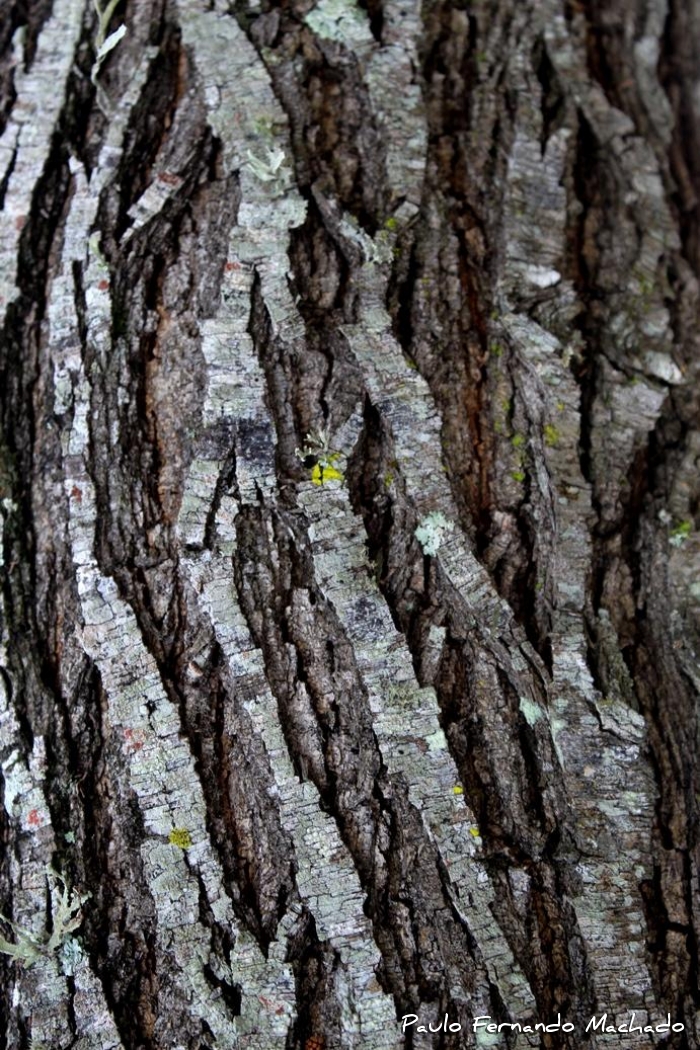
(350, 497)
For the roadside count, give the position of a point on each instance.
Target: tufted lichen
(67, 917)
(180, 837)
(431, 532)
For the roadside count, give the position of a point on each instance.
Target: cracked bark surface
(291, 281)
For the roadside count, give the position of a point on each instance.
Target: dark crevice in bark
(375, 13)
(29, 448)
(678, 66)
(222, 947)
(456, 370)
(24, 1030)
(608, 62)
(614, 32)
(668, 702)
(158, 272)
(402, 287)
(582, 264)
(106, 860)
(336, 142)
(325, 374)
(476, 747)
(314, 964)
(459, 368)
(42, 232)
(5, 181)
(302, 380)
(253, 849)
(32, 14)
(552, 104)
(154, 121)
(321, 268)
(81, 124)
(226, 484)
(348, 155)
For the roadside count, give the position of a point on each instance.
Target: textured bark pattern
(313, 776)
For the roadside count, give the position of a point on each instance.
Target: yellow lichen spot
(474, 832)
(322, 473)
(180, 837)
(551, 435)
(457, 790)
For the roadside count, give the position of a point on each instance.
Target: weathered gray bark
(314, 776)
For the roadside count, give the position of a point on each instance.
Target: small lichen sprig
(66, 906)
(680, 533)
(103, 45)
(317, 455)
(432, 531)
(268, 170)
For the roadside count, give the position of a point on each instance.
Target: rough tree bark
(350, 491)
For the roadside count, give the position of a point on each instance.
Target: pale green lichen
(339, 20)
(70, 955)
(432, 531)
(680, 533)
(67, 917)
(531, 711)
(436, 741)
(267, 170)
